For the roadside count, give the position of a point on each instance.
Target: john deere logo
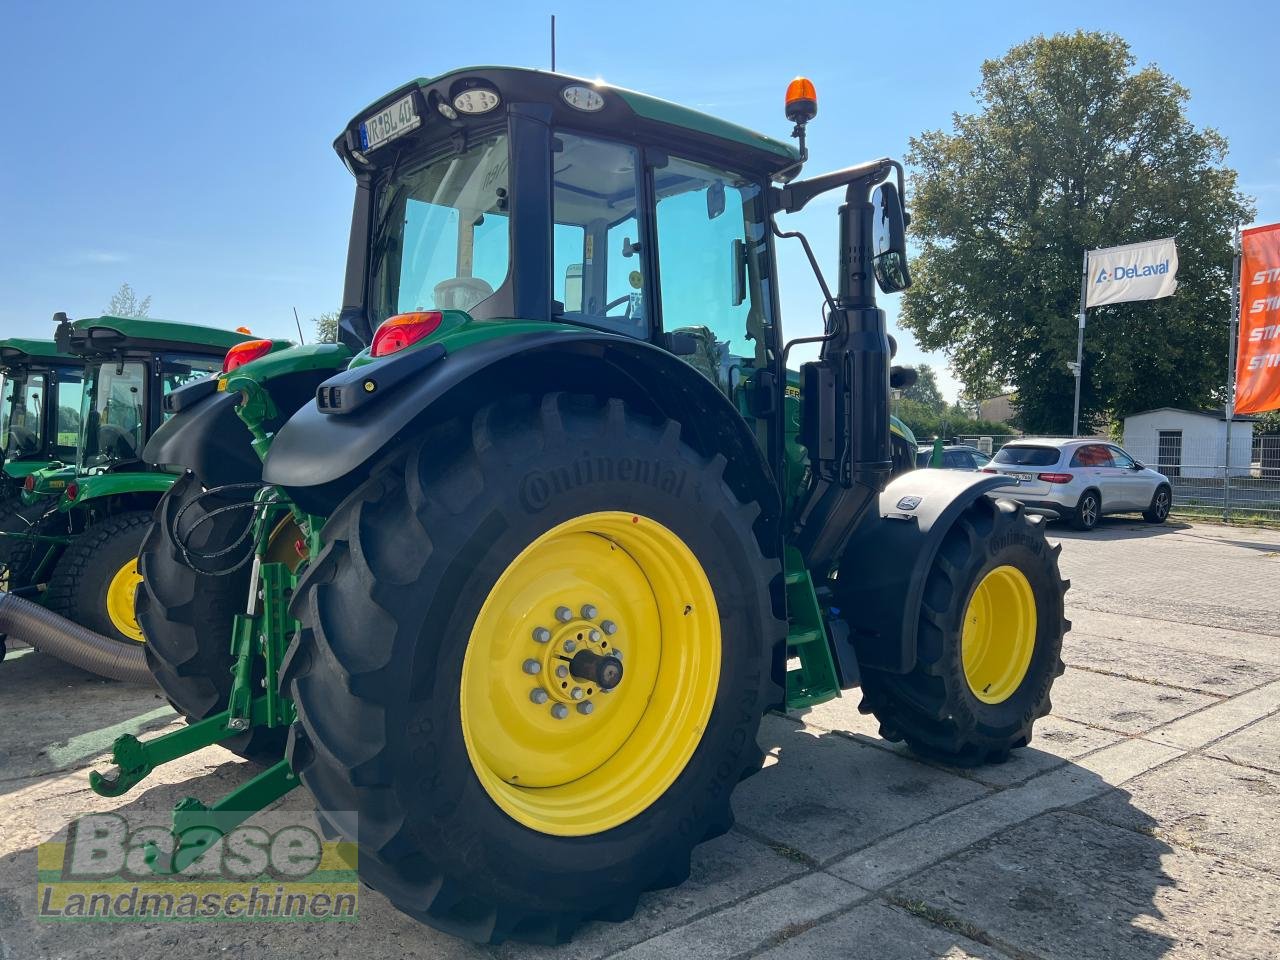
(909, 503)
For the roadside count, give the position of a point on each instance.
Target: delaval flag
(1258, 359)
(1136, 271)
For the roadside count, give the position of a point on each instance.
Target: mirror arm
(793, 197)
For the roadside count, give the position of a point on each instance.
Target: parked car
(956, 456)
(1082, 480)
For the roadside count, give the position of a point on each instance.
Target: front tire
(989, 642)
(490, 804)
(1161, 503)
(1088, 511)
(95, 581)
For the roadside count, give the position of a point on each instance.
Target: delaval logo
(1132, 273)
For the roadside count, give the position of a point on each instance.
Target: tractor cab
(40, 400)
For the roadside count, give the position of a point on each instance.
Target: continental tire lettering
(1015, 538)
(539, 487)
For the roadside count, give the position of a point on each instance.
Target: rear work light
(246, 352)
(1055, 477)
(29, 484)
(396, 333)
(73, 490)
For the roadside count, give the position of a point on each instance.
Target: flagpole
(1084, 293)
(1231, 367)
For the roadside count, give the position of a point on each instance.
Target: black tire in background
(81, 579)
(187, 616)
(387, 610)
(1161, 503)
(933, 707)
(20, 557)
(1088, 511)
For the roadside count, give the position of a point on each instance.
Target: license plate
(1023, 476)
(395, 121)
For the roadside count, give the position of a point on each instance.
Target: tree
(125, 303)
(326, 327)
(925, 390)
(1072, 149)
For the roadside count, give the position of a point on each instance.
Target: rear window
(1027, 456)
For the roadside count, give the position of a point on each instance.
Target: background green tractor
(523, 578)
(74, 541)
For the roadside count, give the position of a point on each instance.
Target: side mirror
(889, 239)
(1138, 465)
(715, 199)
(738, 276)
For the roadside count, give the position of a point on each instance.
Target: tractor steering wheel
(615, 303)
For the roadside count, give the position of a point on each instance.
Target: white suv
(1081, 480)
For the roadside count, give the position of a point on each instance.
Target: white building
(1193, 443)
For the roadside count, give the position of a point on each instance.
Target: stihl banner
(1258, 359)
(1136, 271)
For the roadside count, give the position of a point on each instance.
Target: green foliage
(927, 422)
(125, 303)
(925, 390)
(1267, 423)
(1072, 149)
(326, 327)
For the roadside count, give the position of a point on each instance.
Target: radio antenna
(553, 43)
(301, 338)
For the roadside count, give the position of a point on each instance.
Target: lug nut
(616, 653)
(585, 707)
(595, 636)
(541, 635)
(609, 627)
(570, 646)
(538, 695)
(576, 693)
(564, 614)
(562, 671)
(589, 611)
(559, 711)
(532, 666)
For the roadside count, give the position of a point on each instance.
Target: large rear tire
(492, 802)
(989, 642)
(187, 616)
(96, 579)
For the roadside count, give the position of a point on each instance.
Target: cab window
(23, 415)
(177, 371)
(70, 399)
(712, 257)
(597, 262)
(114, 414)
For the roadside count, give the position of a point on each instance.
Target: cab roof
(107, 334)
(626, 113)
(19, 350)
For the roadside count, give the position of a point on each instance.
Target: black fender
(880, 581)
(207, 438)
(318, 458)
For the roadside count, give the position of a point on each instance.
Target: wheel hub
(573, 662)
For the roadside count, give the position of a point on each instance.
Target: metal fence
(1203, 485)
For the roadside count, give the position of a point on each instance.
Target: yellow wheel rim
(555, 751)
(121, 592)
(999, 634)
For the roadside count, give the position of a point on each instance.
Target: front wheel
(1088, 510)
(96, 579)
(989, 642)
(535, 651)
(1158, 511)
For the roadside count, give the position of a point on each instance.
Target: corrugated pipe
(50, 633)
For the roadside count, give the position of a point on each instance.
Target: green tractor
(40, 392)
(521, 580)
(73, 541)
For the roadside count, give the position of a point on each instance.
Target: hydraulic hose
(70, 642)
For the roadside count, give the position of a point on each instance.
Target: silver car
(1081, 480)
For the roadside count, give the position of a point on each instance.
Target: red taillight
(990, 470)
(396, 333)
(1055, 477)
(29, 484)
(246, 352)
(73, 490)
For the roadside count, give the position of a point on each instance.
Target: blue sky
(186, 148)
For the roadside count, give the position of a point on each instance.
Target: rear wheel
(989, 642)
(1158, 511)
(1087, 511)
(187, 616)
(96, 579)
(535, 652)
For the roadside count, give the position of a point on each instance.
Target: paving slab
(1173, 636)
(879, 931)
(1115, 703)
(68, 716)
(756, 922)
(1064, 887)
(1256, 746)
(1220, 720)
(1216, 675)
(1203, 804)
(828, 794)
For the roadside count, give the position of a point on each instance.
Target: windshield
(21, 415)
(113, 413)
(441, 239)
(1027, 456)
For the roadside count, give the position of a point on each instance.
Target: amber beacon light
(802, 100)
